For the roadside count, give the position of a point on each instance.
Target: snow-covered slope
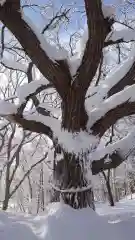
(61, 222)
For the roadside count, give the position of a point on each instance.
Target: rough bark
(110, 196)
(74, 188)
(72, 183)
(74, 116)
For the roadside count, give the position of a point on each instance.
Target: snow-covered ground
(121, 217)
(60, 222)
(123, 210)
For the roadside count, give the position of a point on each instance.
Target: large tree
(77, 134)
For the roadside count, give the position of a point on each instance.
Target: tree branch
(128, 79)
(27, 174)
(32, 125)
(33, 95)
(111, 42)
(112, 116)
(98, 29)
(10, 14)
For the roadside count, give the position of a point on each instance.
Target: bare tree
(10, 152)
(10, 188)
(12, 160)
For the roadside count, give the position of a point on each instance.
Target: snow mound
(65, 223)
(60, 223)
(7, 108)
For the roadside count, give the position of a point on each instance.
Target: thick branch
(32, 125)
(115, 160)
(98, 28)
(128, 79)
(27, 174)
(12, 19)
(111, 42)
(111, 117)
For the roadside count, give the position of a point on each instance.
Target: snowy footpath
(60, 222)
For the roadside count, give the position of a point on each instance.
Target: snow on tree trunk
(70, 172)
(74, 187)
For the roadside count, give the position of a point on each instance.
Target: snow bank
(60, 223)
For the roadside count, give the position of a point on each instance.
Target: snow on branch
(123, 75)
(28, 90)
(127, 95)
(32, 125)
(115, 81)
(123, 147)
(10, 111)
(14, 65)
(127, 79)
(53, 123)
(126, 34)
(52, 51)
(114, 154)
(122, 34)
(30, 40)
(78, 142)
(113, 161)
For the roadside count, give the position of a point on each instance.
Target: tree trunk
(110, 196)
(73, 186)
(7, 189)
(74, 189)
(108, 186)
(114, 185)
(7, 197)
(5, 203)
